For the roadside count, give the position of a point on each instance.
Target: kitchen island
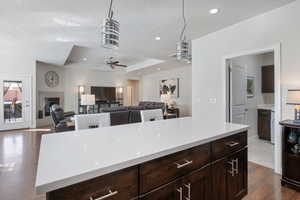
(170, 159)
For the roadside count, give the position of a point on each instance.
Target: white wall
(149, 90)
(16, 61)
(42, 69)
(278, 26)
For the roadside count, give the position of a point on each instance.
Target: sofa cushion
(152, 105)
(114, 109)
(120, 117)
(136, 108)
(135, 116)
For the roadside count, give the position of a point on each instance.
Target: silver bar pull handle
(187, 162)
(110, 194)
(180, 192)
(236, 169)
(188, 186)
(231, 171)
(232, 144)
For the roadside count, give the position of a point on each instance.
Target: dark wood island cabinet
(213, 171)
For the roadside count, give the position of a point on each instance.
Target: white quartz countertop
(71, 157)
(266, 107)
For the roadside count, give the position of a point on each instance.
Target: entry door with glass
(15, 103)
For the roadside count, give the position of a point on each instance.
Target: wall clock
(51, 79)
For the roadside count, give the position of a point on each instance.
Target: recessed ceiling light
(63, 22)
(157, 38)
(214, 11)
(59, 39)
(84, 59)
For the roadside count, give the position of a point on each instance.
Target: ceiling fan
(115, 63)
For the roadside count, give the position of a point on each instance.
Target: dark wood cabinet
(290, 157)
(196, 185)
(264, 124)
(118, 185)
(171, 191)
(267, 79)
(229, 177)
(237, 179)
(216, 170)
(219, 174)
(163, 170)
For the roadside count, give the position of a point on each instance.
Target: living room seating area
(117, 116)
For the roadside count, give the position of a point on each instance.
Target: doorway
(251, 100)
(15, 102)
(132, 93)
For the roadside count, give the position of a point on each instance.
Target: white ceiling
(50, 28)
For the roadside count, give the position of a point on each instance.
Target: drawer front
(163, 170)
(225, 146)
(118, 185)
(170, 191)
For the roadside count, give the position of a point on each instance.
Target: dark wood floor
(19, 155)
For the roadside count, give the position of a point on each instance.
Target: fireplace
(49, 102)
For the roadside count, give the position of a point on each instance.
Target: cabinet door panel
(267, 79)
(197, 185)
(219, 172)
(170, 191)
(264, 124)
(237, 183)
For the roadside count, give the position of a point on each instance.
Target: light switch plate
(212, 100)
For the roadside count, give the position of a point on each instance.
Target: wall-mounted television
(104, 93)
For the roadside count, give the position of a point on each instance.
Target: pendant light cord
(184, 21)
(110, 12)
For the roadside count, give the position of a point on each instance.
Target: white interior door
(238, 97)
(15, 102)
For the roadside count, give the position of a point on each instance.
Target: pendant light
(183, 46)
(110, 30)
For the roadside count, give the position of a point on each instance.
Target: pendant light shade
(110, 31)
(183, 51)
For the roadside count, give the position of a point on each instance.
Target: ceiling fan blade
(112, 63)
(119, 65)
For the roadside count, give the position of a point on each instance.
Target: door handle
(188, 186)
(110, 194)
(180, 192)
(236, 169)
(231, 171)
(232, 144)
(187, 162)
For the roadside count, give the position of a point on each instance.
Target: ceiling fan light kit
(110, 30)
(115, 63)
